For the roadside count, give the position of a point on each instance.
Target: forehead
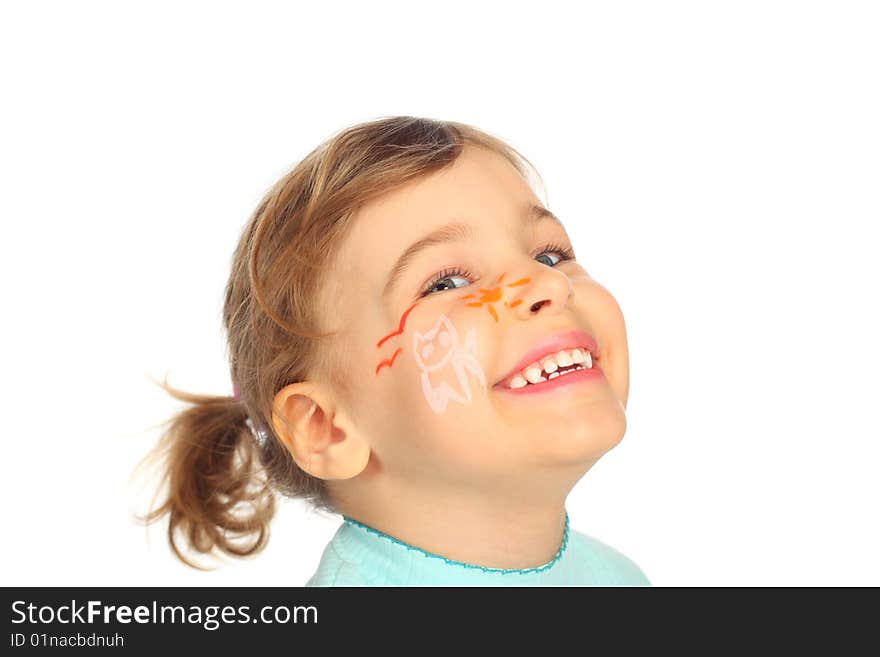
(480, 188)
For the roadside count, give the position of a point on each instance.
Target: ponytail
(217, 491)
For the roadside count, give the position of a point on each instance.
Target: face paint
(493, 295)
(400, 325)
(440, 355)
(388, 362)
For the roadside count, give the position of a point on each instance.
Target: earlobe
(317, 434)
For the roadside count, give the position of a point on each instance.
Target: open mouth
(550, 367)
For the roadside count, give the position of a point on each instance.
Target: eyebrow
(453, 232)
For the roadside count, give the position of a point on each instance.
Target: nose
(548, 291)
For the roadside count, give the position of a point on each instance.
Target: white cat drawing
(439, 354)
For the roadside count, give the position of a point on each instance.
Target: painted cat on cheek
(440, 356)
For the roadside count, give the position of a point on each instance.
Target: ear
(317, 433)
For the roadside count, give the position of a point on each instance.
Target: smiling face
(425, 339)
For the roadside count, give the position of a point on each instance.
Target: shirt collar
(388, 560)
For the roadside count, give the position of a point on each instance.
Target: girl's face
(442, 288)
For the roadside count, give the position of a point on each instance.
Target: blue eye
(442, 277)
(566, 253)
(549, 264)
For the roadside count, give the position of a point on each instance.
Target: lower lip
(594, 373)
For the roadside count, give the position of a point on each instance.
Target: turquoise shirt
(359, 555)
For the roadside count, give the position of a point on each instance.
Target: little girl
(415, 347)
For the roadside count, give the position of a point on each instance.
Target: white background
(716, 163)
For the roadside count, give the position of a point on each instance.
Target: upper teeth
(534, 373)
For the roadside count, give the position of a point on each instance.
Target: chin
(586, 440)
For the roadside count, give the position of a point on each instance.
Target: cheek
(445, 367)
(416, 439)
(436, 383)
(606, 319)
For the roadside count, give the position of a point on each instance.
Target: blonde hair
(220, 479)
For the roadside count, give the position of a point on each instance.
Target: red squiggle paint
(400, 325)
(388, 362)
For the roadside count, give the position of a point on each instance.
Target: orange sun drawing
(493, 295)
